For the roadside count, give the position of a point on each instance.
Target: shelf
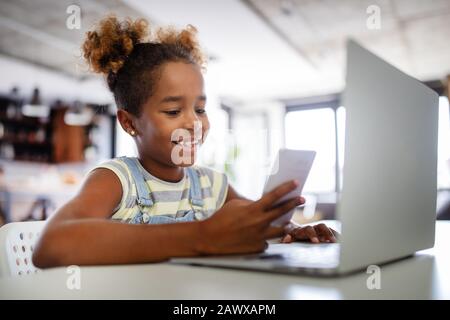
(63, 143)
(25, 121)
(29, 143)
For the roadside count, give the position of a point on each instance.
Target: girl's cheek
(205, 127)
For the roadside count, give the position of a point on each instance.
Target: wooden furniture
(47, 139)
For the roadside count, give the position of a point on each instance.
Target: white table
(424, 276)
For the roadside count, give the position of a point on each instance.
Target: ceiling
(36, 32)
(413, 35)
(261, 49)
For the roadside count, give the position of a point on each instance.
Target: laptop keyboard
(303, 255)
(278, 257)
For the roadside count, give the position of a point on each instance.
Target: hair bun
(107, 47)
(186, 38)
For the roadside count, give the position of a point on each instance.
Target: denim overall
(143, 198)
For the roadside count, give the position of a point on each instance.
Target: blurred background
(275, 75)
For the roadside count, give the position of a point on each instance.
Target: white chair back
(17, 241)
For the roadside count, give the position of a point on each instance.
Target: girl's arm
(81, 231)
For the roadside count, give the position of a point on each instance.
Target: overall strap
(195, 191)
(143, 193)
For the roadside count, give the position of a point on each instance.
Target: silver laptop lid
(388, 202)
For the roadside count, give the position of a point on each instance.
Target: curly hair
(130, 59)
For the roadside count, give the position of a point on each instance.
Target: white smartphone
(289, 165)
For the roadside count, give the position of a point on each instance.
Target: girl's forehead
(180, 78)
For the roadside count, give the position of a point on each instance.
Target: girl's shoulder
(118, 165)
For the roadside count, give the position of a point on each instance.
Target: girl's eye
(201, 111)
(172, 112)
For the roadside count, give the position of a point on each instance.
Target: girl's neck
(160, 171)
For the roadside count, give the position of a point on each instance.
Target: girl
(158, 89)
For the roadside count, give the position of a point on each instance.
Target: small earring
(132, 132)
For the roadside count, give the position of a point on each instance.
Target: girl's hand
(243, 226)
(315, 234)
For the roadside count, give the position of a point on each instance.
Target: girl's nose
(191, 120)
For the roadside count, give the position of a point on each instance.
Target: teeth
(188, 143)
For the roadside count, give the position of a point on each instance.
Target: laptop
(387, 207)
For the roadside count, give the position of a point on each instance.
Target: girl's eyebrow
(179, 98)
(171, 99)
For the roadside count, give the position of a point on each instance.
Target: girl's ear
(126, 121)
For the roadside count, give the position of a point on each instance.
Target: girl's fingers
(312, 234)
(282, 209)
(287, 239)
(335, 233)
(316, 234)
(267, 200)
(305, 233)
(324, 233)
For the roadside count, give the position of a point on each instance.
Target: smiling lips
(187, 144)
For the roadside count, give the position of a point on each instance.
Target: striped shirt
(170, 198)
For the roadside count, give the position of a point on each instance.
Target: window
(315, 129)
(340, 115)
(309, 127)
